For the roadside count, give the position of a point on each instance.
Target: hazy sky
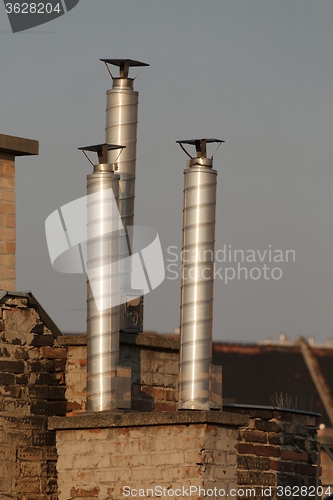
(256, 73)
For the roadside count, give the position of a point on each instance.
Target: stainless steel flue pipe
(121, 128)
(197, 284)
(102, 267)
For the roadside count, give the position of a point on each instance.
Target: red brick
(12, 390)
(10, 247)
(274, 438)
(7, 208)
(170, 395)
(10, 220)
(9, 195)
(158, 393)
(53, 352)
(282, 466)
(7, 260)
(164, 406)
(9, 169)
(9, 273)
(7, 284)
(7, 182)
(8, 234)
(263, 425)
(306, 470)
(12, 366)
(295, 456)
(261, 451)
(254, 436)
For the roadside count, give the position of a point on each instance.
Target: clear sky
(256, 73)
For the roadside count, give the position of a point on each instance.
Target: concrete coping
(107, 419)
(158, 342)
(18, 146)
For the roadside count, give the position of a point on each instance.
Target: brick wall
(10, 147)
(278, 448)
(32, 387)
(7, 222)
(273, 447)
(101, 455)
(326, 436)
(154, 362)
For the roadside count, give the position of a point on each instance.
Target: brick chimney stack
(10, 147)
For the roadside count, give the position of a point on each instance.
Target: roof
(266, 374)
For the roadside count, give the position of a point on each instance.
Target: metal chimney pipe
(197, 284)
(102, 256)
(121, 128)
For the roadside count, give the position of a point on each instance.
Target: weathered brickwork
(7, 222)
(103, 462)
(32, 387)
(43, 374)
(326, 436)
(10, 147)
(154, 363)
(278, 448)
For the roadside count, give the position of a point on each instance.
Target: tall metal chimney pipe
(102, 281)
(197, 284)
(121, 128)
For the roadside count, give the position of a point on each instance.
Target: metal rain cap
(102, 150)
(200, 146)
(124, 65)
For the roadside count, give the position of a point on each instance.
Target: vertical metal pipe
(102, 287)
(197, 281)
(121, 128)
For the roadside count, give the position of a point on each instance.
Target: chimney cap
(124, 65)
(200, 146)
(18, 146)
(193, 142)
(101, 150)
